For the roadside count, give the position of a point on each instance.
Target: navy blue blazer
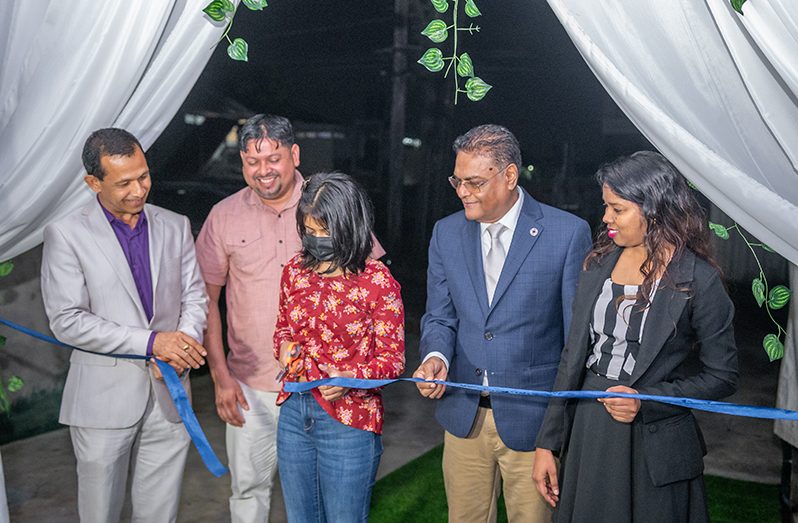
(520, 336)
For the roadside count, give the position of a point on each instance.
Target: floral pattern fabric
(351, 322)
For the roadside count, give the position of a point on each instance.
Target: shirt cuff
(151, 342)
(438, 355)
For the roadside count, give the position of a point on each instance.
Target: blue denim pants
(327, 469)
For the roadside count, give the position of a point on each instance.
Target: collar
(116, 222)
(510, 218)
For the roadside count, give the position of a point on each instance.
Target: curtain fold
(71, 67)
(715, 92)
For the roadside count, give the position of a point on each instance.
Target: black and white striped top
(617, 328)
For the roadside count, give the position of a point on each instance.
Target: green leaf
(15, 383)
(255, 5)
(758, 288)
(738, 6)
(471, 9)
(228, 6)
(5, 405)
(238, 50)
(476, 88)
(465, 67)
(6, 268)
(216, 10)
(440, 5)
(436, 31)
(719, 230)
(767, 248)
(773, 346)
(432, 60)
(778, 297)
(2, 341)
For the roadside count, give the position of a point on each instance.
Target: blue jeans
(327, 469)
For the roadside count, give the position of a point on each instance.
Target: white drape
(72, 67)
(717, 94)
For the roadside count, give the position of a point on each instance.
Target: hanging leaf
(255, 5)
(216, 10)
(471, 9)
(440, 5)
(432, 60)
(773, 346)
(758, 289)
(719, 230)
(465, 67)
(738, 5)
(2, 341)
(5, 405)
(6, 267)
(767, 248)
(476, 88)
(778, 297)
(238, 50)
(15, 383)
(436, 31)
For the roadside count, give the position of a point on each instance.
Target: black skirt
(604, 477)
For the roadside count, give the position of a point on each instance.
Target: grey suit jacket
(92, 303)
(690, 309)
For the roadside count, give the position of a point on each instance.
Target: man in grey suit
(120, 277)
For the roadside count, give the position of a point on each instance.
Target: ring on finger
(185, 347)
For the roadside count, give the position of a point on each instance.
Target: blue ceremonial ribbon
(173, 385)
(721, 407)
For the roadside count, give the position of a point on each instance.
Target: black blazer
(690, 309)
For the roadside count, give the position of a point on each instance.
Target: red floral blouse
(350, 322)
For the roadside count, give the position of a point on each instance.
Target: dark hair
(341, 205)
(673, 216)
(494, 141)
(266, 127)
(107, 142)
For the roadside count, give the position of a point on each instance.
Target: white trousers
(153, 451)
(3, 501)
(252, 456)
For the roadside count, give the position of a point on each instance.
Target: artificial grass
(414, 493)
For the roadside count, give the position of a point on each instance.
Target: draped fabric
(717, 93)
(69, 68)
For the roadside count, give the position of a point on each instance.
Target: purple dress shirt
(135, 245)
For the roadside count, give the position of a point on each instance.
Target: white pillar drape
(69, 68)
(717, 93)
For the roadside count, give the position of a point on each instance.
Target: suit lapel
(665, 311)
(107, 243)
(156, 234)
(472, 254)
(523, 241)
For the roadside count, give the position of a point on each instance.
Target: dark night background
(328, 65)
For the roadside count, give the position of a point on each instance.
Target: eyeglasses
(473, 186)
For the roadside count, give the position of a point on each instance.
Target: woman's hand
(622, 409)
(329, 392)
(544, 474)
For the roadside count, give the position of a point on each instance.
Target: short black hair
(268, 127)
(107, 142)
(493, 141)
(341, 205)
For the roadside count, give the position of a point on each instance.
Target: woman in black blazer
(651, 315)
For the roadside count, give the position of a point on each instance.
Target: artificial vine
(438, 31)
(738, 5)
(772, 298)
(225, 10)
(14, 383)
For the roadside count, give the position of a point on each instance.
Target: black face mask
(320, 247)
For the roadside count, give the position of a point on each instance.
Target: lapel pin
(533, 231)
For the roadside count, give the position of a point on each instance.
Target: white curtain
(717, 93)
(69, 68)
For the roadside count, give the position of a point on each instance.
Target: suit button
(488, 335)
(652, 428)
(478, 372)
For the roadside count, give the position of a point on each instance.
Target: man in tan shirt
(243, 245)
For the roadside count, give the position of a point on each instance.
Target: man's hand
(230, 399)
(432, 369)
(544, 474)
(329, 392)
(179, 350)
(621, 409)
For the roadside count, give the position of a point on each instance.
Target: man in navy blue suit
(501, 278)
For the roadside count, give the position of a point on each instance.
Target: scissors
(295, 366)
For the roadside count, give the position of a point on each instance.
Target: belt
(484, 402)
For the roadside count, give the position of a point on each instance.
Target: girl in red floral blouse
(343, 311)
